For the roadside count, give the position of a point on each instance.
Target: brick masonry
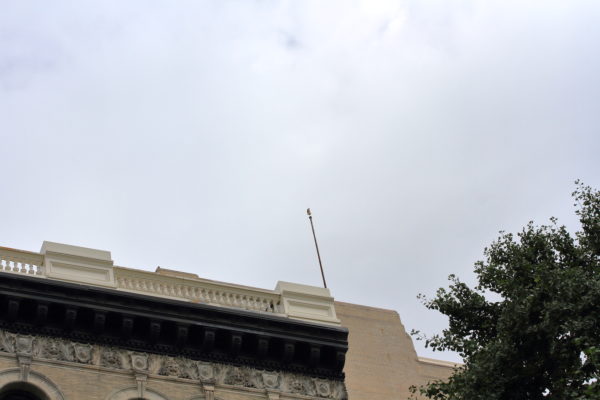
(381, 363)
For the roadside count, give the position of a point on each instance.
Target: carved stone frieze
(190, 369)
(170, 367)
(270, 380)
(83, 353)
(54, 349)
(111, 358)
(139, 362)
(178, 367)
(298, 384)
(24, 344)
(242, 376)
(7, 341)
(323, 388)
(207, 373)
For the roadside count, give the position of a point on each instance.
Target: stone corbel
(272, 395)
(141, 380)
(271, 381)
(25, 366)
(24, 349)
(209, 391)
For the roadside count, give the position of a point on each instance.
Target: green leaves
(541, 340)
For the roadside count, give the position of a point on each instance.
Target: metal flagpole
(316, 245)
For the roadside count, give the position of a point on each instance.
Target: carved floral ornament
(42, 347)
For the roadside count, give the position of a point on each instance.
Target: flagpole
(316, 246)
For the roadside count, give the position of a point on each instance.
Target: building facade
(75, 326)
(381, 363)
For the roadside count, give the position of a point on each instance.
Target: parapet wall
(57, 261)
(381, 363)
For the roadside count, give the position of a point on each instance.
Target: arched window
(21, 391)
(36, 387)
(132, 393)
(18, 395)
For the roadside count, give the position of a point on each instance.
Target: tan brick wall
(381, 363)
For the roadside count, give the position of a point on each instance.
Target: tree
(530, 329)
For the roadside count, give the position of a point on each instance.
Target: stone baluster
(8, 267)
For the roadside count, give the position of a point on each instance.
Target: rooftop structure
(72, 305)
(93, 267)
(68, 316)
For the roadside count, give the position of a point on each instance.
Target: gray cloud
(193, 136)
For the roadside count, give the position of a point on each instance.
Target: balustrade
(21, 262)
(198, 291)
(95, 267)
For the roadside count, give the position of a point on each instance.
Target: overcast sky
(194, 135)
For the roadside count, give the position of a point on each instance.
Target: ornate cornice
(139, 323)
(219, 375)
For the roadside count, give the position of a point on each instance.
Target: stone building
(75, 326)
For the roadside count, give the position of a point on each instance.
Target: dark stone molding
(170, 327)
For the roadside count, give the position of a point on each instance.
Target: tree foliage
(530, 329)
